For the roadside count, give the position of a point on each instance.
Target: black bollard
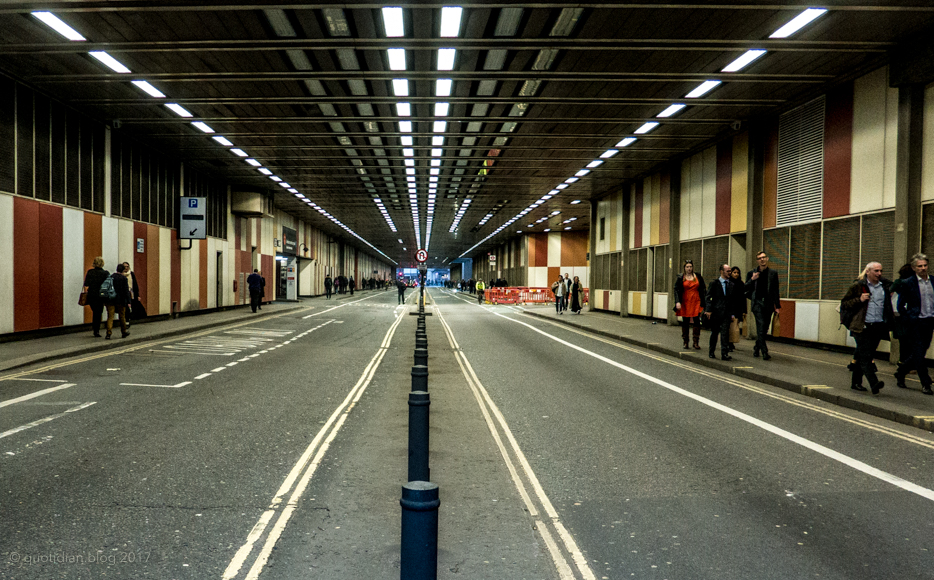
(419, 551)
(420, 378)
(421, 357)
(418, 436)
(421, 341)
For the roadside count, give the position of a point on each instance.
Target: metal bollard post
(421, 341)
(420, 378)
(418, 436)
(421, 357)
(419, 551)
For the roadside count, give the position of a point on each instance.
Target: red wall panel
(724, 186)
(838, 151)
(51, 265)
(26, 264)
(93, 246)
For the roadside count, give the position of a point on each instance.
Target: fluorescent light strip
(743, 61)
(451, 21)
(56, 24)
(264, 171)
(443, 87)
(670, 110)
(238, 152)
(253, 162)
(203, 127)
(149, 89)
(222, 140)
(445, 58)
(396, 58)
(798, 22)
(400, 87)
(178, 110)
(393, 23)
(109, 61)
(702, 89)
(626, 142)
(646, 128)
(404, 109)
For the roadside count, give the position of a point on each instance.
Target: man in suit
(720, 310)
(916, 305)
(762, 289)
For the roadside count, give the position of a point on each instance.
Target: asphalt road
(277, 448)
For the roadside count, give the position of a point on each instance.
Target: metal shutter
(660, 271)
(878, 242)
(841, 257)
(804, 262)
(801, 164)
(690, 251)
(716, 253)
(927, 232)
(72, 161)
(58, 152)
(777, 246)
(7, 135)
(24, 144)
(615, 280)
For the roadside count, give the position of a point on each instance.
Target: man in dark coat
(92, 285)
(255, 283)
(400, 285)
(720, 310)
(762, 289)
(328, 284)
(916, 306)
(117, 305)
(866, 310)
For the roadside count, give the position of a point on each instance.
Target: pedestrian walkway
(814, 372)
(19, 353)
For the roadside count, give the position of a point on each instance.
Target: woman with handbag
(689, 301)
(739, 323)
(92, 293)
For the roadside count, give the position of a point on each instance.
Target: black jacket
(701, 289)
(122, 288)
(93, 280)
(909, 297)
(772, 300)
(721, 305)
(853, 310)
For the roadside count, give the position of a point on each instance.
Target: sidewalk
(19, 353)
(813, 372)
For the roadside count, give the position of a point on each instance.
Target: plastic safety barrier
(525, 295)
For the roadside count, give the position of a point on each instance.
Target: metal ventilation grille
(878, 243)
(777, 246)
(804, 261)
(801, 164)
(841, 257)
(661, 269)
(716, 253)
(927, 233)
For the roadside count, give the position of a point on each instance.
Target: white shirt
(927, 297)
(874, 310)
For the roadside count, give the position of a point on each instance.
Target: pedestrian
(736, 275)
(262, 291)
(560, 290)
(351, 284)
(255, 283)
(567, 284)
(481, 288)
(866, 310)
(916, 305)
(576, 298)
(690, 293)
(328, 284)
(762, 288)
(92, 285)
(720, 311)
(116, 301)
(899, 324)
(400, 286)
(136, 309)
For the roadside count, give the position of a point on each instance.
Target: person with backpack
(559, 289)
(92, 286)
(115, 292)
(866, 310)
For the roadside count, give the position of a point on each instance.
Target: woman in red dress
(689, 301)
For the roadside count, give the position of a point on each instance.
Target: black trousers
(763, 318)
(920, 332)
(401, 296)
(254, 299)
(719, 329)
(867, 342)
(97, 311)
(327, 292)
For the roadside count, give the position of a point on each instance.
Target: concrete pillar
(674, 236)
(908, 175)
(594, 232)
(624, 254)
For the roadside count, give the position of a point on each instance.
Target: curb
(829, 397)
(112, 345)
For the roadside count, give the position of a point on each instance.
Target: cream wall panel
(165, 270)
(615, 298)
(6, 259)
(612, 220)
(807, 320)
(829, 330)
(110, 245)
(538, 277)
(656, 181)
(868, 145)
(661, 306)
(696, 194)
(596, 299)
(646, 210)
(631, 213)
(891, 146)
(619, 207)
(739, 183)
(554, 249)
(927, 147)
(126, 250)
(709, 222)
(73, 264)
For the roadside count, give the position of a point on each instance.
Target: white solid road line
(178, 386)
(816, 447)
(36, 394)
(486, 403)
(43, 380)
(307, 465)
(338, 306)
(45, 420)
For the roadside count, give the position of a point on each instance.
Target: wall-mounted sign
(140, 246)
(492, 259)
(192, 223)
(289, 241)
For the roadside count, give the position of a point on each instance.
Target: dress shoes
(858, 387)
(900, 381)
(726, 357)
(766, 356)
(712, 355)
(876, 387)
(926, 389)
(755, 354)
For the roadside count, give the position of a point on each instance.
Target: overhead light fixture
(441, 109)
(253, 162)
(439, 126)
(409, 162)
(437, 141)
(743, 61)
(275, 178)
(581, 173)
(408, 152)
(798, 22)
(56, 24)
(222, 140)
(149, 89)
(238, 152)
(437, 152)
(392, 21)
(396, 58)
(646, 128)
(264, 171)
(562, 186)
(445, 58)
(203, 127)
(702, 89)
(400, 87)
(284, 185)
(109, 61)
(451, 21)
(436, 163)
(670, 110)
(609, 153)
(575, 202)
(404, 109)
(405, 126)
(626, 142)
(178, 110)
(572, 179)
(554, 192)
(595, 163)
(443, 87)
